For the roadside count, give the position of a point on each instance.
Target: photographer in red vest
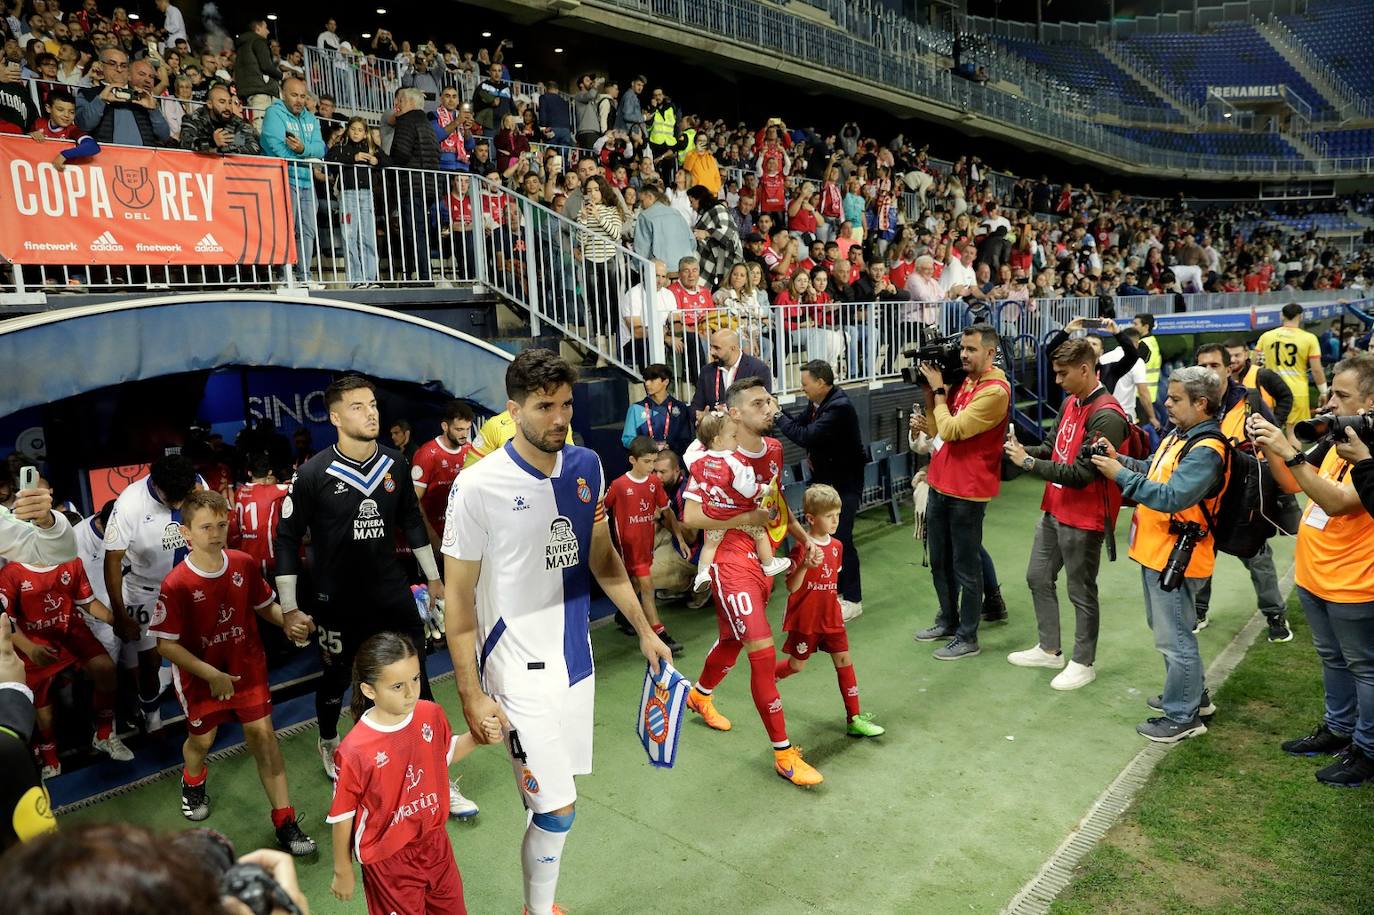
(1079, 506)
(964, 475)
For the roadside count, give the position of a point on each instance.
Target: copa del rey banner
(142, 206)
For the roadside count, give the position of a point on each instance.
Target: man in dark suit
(829, 431)
(728, 362)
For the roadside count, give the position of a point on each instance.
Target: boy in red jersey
(205, 625)
(814, 621)
(391, 799)
(634, 503)
(436, 465)
(257, 509)
(51, 635)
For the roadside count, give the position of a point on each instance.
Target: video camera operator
(964, 475)
(1335, 564)
(1237, 404)
(1171, 541)
(1079, 508)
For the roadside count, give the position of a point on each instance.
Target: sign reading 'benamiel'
(1245, 93)
(142, 206)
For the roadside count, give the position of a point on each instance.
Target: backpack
(1248, 499)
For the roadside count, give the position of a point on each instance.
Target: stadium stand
(1336, 32)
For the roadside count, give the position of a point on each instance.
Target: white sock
(540, 855)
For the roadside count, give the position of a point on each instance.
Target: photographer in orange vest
(1171, 541)
(1335, 571)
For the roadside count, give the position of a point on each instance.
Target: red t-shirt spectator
(772, 194)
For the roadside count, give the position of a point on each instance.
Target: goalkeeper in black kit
(353, 498)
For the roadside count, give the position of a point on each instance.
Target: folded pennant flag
(660, 713)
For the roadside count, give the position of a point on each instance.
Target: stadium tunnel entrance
(100, 390)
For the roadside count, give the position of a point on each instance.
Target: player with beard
(525, 527)
(740, 587)
(437, 463)
(354, 499)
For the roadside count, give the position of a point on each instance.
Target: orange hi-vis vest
(1151, 542)
(1335, 555)
(1251, 383)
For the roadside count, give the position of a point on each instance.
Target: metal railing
(1351, 102)
(358, 84)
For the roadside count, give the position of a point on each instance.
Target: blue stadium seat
(1337, 31)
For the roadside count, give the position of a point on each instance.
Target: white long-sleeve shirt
(24, 542)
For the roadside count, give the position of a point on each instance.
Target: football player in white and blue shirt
(524, 532)
(143, 542)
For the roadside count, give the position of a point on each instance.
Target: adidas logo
(208, 245)
(106, 242)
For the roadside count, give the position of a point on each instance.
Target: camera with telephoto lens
(250, 884)
(121, 94)
(1327, 424)
(1188, 533)
(941, 352)
(1098, 446)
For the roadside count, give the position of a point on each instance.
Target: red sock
(194, 780)
(784, 668)
(47, 746)
(719, 660)
(763, 665)
(849, 689)
(659, 629)
(104, 714)
(282, 815)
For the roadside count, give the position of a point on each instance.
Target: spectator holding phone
(115, 111)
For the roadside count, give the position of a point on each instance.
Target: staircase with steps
(1137, 71)
(1335, 90)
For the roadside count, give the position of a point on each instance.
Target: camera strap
(1220, 487)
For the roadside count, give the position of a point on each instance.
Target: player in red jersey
(205, 624)
(436, 465)
(391, 799)
(51, 635)
(741, 589)
(814, 621)
(726, 487)
(634, 504)
(257, 509)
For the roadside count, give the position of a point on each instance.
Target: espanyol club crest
(584, 492)
(388, 483)
(427, 733)
(237, 579)
(529, 782)
(656, 716)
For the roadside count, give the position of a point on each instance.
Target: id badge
(1315, 517)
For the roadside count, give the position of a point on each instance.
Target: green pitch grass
(1236, 826)
(983, 771)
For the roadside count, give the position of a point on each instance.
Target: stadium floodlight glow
(558, 50)
(518, 66)
(133, 15)
(367, 34)
(1226, 114)
(486, 34)
(381, 11)
(271, 17)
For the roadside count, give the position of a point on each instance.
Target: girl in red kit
(813, 621)
(391, 800)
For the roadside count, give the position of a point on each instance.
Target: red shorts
(79, 647)
(639, 563)
(422, 877)
(802, 645)
(741, 592)
(212, 720)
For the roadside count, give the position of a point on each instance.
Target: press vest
(1335, 554)
(1151, 542)
(663, 127)
(1081, 508)
(1152, 364)
(1251, 383)
(970, 468)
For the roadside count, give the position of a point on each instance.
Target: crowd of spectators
(878, 217)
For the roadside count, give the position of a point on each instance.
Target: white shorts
(553, 733)
(105, 635)
(140, 609)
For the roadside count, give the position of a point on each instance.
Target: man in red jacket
(1079, 507)
(964, 475)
